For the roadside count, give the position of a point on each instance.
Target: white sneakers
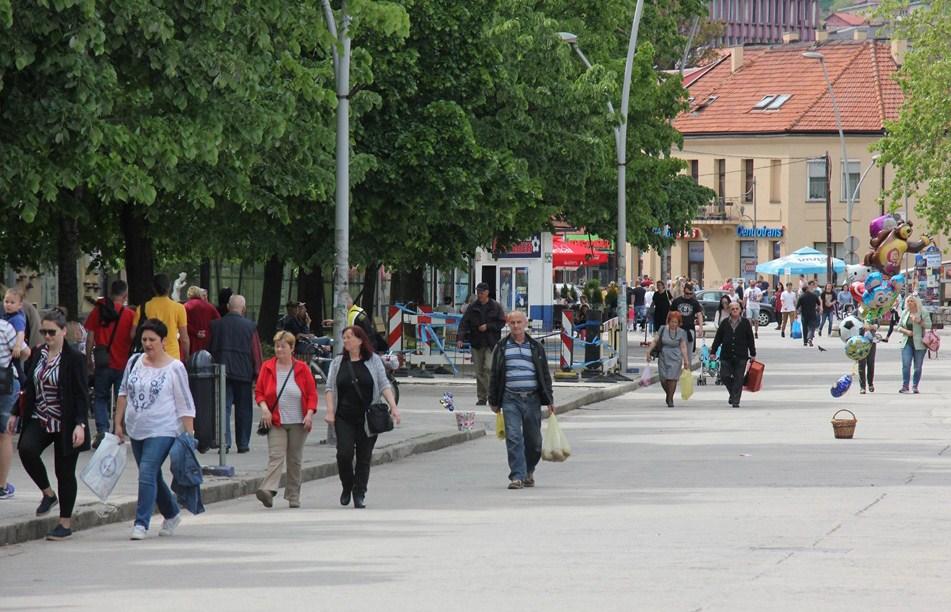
(168, 527)
(138, 532)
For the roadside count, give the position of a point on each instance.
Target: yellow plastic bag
(686, 384)
(499, 425)
(555, 446)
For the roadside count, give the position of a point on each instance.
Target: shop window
(748, 259)
(816, 189)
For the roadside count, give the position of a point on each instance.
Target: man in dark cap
(481, 327)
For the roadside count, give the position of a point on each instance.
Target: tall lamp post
(849, 193)
(620, 143)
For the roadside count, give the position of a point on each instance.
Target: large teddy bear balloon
(890, 245)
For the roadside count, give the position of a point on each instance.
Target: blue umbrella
(804, 261)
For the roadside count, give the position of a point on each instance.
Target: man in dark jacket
(481, 326)
(735, 335)
(518, 386)
(236, 345)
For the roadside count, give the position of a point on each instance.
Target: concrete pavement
(700, 507)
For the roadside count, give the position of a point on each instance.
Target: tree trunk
(408, 286)
(67, 255)
(368, 302)
(139, 257)
(204, 276)
(270, 297)
(310, 290)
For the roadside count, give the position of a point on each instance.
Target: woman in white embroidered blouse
(154, 405)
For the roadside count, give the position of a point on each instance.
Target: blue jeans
(640, 315)
(7, 402)
(827, 315)
(523, 433)
(909, 355)
(106, 386)
(238, 393)
(150, 454)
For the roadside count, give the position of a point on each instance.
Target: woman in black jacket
(735, 335)
(661, 303)
(55, 411)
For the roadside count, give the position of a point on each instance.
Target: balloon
(857, 289)
(850, 327)
(897, 281)
(858, 348)
(857, 272)
(885, 222)
(447, 401)
(841, 386)
(879, 294)
(873, 315)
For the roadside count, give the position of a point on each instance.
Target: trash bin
(201, 381)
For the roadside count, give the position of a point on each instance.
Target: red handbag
(753, 381)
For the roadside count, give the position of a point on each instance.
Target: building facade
(763, 21)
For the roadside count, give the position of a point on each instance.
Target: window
(778, 101)
(749, 181)
(775, 176)
(720, 165)
(855, 169)
(816, 190)
(764, 102)
(695, 170)
(838, 249)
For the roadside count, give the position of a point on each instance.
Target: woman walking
(670, 348)
(723, 311)
(912, 325)
(735, 335)
(827, 303)
(661, 304)
(778, 304)
(154, 405)
(55, 411)
(287, 396)
(357, 379)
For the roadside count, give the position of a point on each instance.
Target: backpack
(932, 342)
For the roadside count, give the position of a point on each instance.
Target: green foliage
(611, 295)
(917, 145)
(592, 292)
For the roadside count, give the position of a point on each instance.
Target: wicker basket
(844, 428)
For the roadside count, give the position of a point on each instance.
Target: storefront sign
(526, 248)
(596, 242)
(691, 234)
(760, 232)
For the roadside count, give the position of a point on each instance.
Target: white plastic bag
(646, 373)
(104, 470)
(555, 446)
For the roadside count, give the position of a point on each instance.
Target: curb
(97, 514)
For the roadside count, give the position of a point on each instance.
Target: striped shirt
(8, 337)
(519, 367)
(290, 403)
(49, 411)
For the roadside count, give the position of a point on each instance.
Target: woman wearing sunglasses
(55, 410)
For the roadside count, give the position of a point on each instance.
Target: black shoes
(345, 498)
(481, 403)
(529, 481)
(59, 533)
(358, 500)
(265, 497)
(243, 450)
(46, 505)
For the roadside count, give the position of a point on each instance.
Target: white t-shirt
(157, 399)
(788, 299)
(753, 297)
(648, 297)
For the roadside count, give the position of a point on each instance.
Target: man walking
(169, 312)
(235, 344)
(200, 313)
(735, 336)
(518, 386)
(640, 307)
(692, 313)
(481, 327)
(110, 333)
(787, 302)
(808, 306)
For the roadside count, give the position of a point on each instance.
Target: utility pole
(828, 219)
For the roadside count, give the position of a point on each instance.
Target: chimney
(822, 36)
(736, 59)
(899, 49)
(790, 37)
(859, 35)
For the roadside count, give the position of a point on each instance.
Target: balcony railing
(724, 210)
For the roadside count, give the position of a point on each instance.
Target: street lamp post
(620, 142)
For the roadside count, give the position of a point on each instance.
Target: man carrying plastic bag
(104, 470)
(519, 384)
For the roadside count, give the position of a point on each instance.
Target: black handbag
(262, 428)
(379, 419)
(6, 379)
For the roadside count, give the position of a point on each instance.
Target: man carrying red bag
(735, 336)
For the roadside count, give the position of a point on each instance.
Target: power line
(755, 168)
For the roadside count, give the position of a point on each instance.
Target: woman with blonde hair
(670, 350)
(287, 395)
(912, 324)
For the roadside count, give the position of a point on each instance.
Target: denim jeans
(809, 329)
(106, 384)
(7, 402)
(238, 393)
(640, 315)
(150, 454)
(909, 355)
(827, 315)
(523, 433)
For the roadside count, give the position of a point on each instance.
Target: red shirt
(200, 315)
(266, 388)
(122, 344)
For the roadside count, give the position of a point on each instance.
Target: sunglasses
(48, 332)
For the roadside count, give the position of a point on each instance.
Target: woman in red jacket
(287, 396)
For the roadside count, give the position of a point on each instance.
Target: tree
(917, 144)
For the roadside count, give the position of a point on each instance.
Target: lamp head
(813, 55)
(568, 38)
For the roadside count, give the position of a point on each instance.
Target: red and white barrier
(567, 342)
(394, 329)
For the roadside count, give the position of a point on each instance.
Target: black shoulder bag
(137, 341)
(379, 419)
(262, 428)
(100, 352)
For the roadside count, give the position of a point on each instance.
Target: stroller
(709, 366)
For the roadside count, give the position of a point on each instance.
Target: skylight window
(764, 102)
(778, 101)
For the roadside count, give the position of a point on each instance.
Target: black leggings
(352, 439)
(33, 441)
(670, 387)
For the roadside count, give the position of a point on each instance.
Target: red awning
(573, 255)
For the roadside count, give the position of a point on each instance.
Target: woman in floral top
(154, 405)
(55, 410)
